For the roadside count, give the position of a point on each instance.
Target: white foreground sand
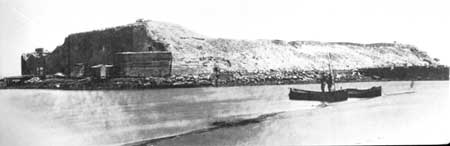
(418, 118)
(85, 118)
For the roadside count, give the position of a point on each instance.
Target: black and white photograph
(224, 72)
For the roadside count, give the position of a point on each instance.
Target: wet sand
(413, 118)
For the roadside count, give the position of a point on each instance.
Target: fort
(152, 54)
(125, 50)
(34, 63)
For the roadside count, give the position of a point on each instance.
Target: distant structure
(142, 64)
(150, 48)
(125, 51)
(102, 71)
(35, 63)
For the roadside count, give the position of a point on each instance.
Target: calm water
(56, 117)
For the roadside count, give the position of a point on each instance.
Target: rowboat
(334, 96)
(364, 93)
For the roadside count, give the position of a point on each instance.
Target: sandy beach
(414, 118)
(250, 115)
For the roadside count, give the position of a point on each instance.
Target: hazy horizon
(28, 24)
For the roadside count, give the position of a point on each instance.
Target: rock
(204, 82)
(34, 80)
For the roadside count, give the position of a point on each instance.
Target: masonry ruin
(144, 64)
(126, 50)
(34, 63)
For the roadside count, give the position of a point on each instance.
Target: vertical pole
(103, 69)
(331, 71)
(170, 65)
(103, 56)
(44, 66)
(68, 60)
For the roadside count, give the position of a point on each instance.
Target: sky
(29, 24)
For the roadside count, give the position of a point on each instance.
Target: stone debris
(226, 78)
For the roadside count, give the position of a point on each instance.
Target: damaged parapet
(144, 64)
(35, 63)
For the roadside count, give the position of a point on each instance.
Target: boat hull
(365, 93)
(334, 96)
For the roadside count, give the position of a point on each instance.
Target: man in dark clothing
(329, 82)
(322, 79)
(216, 71)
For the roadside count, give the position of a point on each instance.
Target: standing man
(323, 80)
(412, 84)
(330, 82)
(216, 71)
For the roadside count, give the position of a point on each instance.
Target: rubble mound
(194, 53)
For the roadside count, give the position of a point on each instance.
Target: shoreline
(289, 128)
(212, 126)
(173, 87)
(227, 79)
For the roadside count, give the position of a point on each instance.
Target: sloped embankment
(195, 53)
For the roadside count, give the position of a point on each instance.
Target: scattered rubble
(226, 78)
(229, 78)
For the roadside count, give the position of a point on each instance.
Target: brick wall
(144, 64)
(34, 64)
(99, 47)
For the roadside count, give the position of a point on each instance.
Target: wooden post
(68, 60)
(331, 72)
(170, 65)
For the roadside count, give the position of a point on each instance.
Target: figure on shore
(323, 80)
(411, 85)
(329, 82)
(216, 71)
